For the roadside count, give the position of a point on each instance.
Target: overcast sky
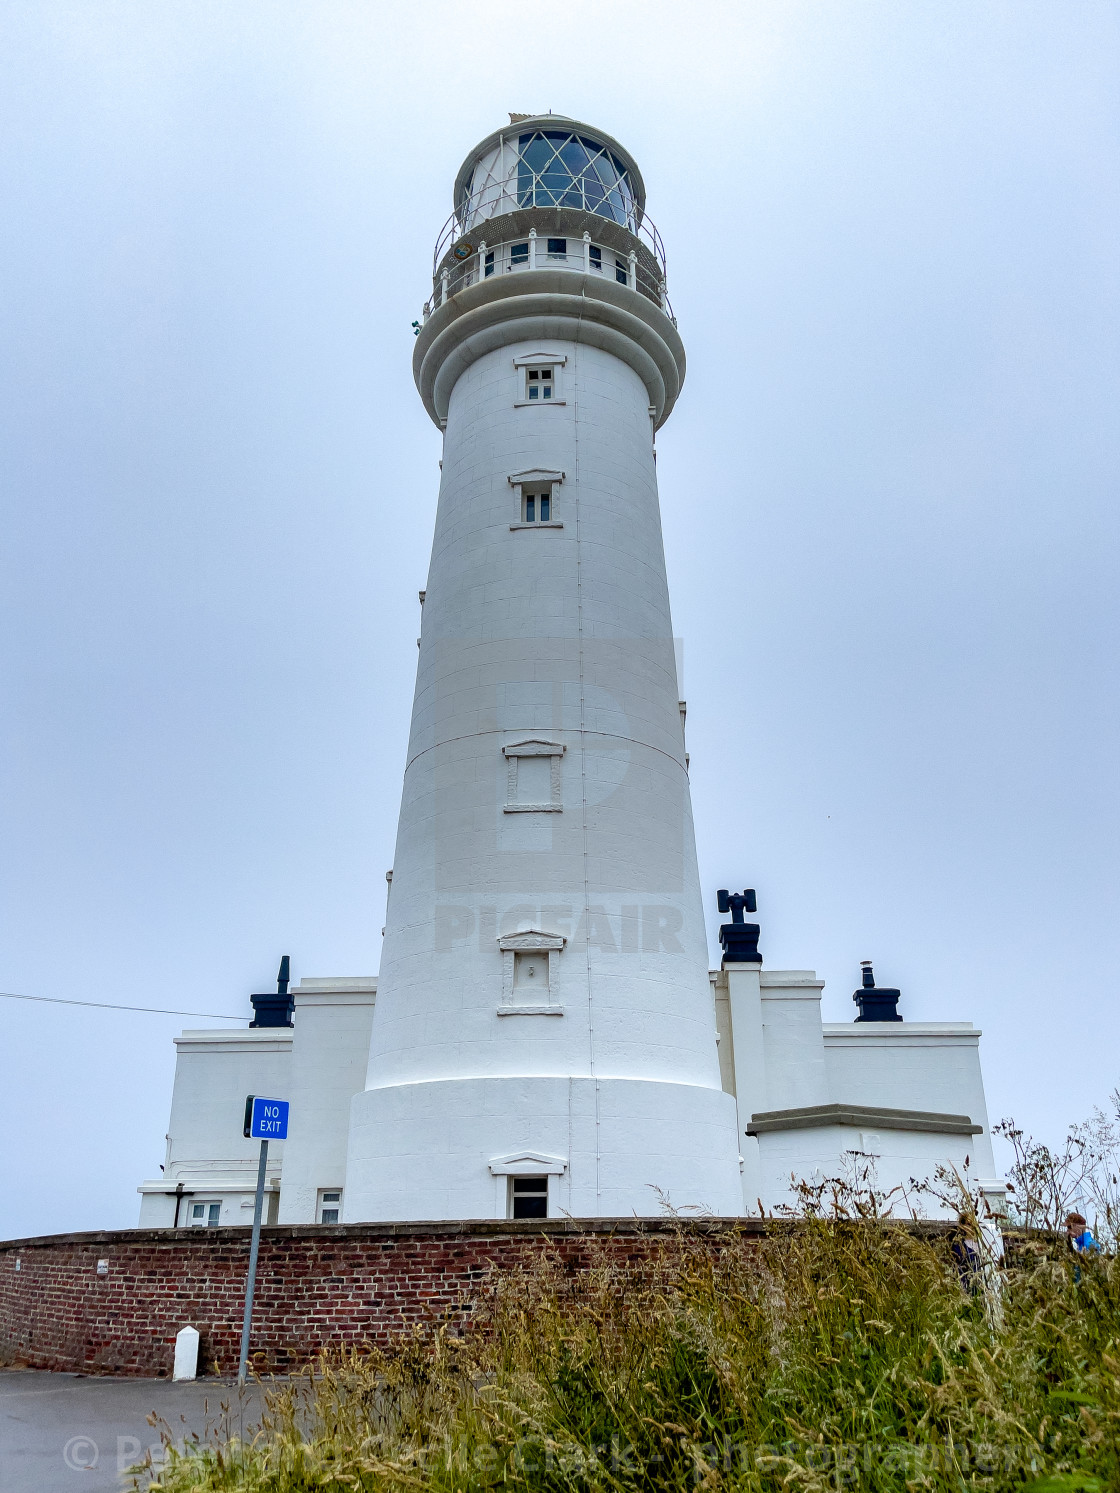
(889, 496)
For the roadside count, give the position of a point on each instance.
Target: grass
(835, 1354)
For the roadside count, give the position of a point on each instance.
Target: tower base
(610, 1147)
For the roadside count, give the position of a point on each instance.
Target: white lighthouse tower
(544, 1039)
(542, 1036)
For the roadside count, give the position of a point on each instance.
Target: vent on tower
(739, 938)
(275, 1009)
(876, 1003)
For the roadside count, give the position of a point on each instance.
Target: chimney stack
(876, 1003)
(275, 1009)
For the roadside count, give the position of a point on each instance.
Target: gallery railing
(641, 271)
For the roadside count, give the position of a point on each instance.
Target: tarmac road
(65, 1433)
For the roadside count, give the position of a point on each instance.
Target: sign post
(265, 1120)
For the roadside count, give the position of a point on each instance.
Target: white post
(482, 261)
(587, 254)
(992, 1214)
(532, 248)
(186, 1354)
(443, 286)
(664, 294)
(634, 269)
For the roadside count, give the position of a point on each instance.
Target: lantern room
(548, 161)
(552, 193)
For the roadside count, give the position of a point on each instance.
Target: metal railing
(644, 273)
(574, 198)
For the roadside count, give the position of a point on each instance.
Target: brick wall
(316, 1286)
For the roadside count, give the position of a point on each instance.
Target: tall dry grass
(834, 1354)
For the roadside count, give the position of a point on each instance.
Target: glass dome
(550, 162)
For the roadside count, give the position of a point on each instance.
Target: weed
(833, 1353)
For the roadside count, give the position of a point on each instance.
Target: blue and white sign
(268, 1119)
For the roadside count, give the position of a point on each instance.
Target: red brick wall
(316, 1286)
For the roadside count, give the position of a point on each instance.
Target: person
(1080, 1240)
(967, 1257)
(1080, 1236)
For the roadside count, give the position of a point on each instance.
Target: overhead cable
(53, 1000)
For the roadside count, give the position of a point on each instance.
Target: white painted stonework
(331, 1032)
(882, 1090)
(207, 1160)
(544, 1007)
(817, 1101)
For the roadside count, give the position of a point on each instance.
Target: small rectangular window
(536, 505)
(595, 256)
(557, 248)
(519, 254)
(528, 1197)
(206, 1215)
(488, 268)
(330, 1206)
(621, 272)
(530, 971)
(538, 383)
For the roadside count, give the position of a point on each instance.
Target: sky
(888, 493)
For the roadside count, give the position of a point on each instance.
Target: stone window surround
(531, 941)
(555, 361)
(518, 480)
(533, 747)
(527, 1164)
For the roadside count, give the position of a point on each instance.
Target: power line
(52, 1000)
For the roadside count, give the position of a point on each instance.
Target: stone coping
(469, 1228)
(817, 1116)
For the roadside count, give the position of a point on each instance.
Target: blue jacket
(1084, 1243)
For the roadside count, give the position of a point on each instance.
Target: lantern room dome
(549, 161)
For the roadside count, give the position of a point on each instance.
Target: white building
(545, 1034)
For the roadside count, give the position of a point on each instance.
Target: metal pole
(251, 1282)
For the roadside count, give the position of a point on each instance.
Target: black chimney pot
(739, 938)
(876, 1003)
(275, 1009)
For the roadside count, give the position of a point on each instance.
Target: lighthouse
(544, 1041)
(545, 1038)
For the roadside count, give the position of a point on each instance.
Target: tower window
(488, 265)
(530, 974)
(528, 1197)
(558, 248)
(330, 1206)
(536, 495)
(534, 781)
(595, 257)
(518, 254)
(206, 1215)
(539, 383)
(536, 505)
(529, 971)
(621, 272)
